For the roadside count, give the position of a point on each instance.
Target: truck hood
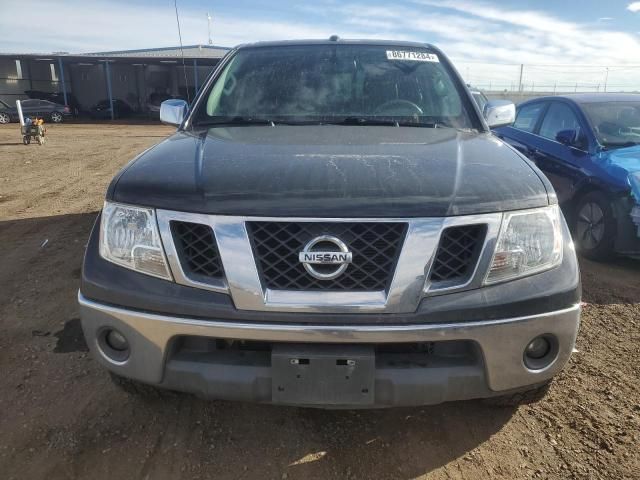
(331, 171)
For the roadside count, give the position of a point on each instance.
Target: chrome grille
(375, 247)
(457, 253)
(197, 250)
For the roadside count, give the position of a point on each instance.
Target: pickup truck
(332, 225)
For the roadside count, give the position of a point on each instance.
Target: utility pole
(520, 82)
(606, 79)
(209, 27)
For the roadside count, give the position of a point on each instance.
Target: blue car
(588, 145)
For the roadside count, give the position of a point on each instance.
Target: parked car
(102, 109)
(51, 112)
(333, 225)
(56, 97)
(588, 145)
(5, 117)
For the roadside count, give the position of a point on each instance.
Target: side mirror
(173, 111)
(499, 113)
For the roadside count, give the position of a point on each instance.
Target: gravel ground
(60, 416)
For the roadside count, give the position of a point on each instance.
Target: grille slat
(375, 247)
(457, 253)
(197, 249)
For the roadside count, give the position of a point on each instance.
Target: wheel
(595, 226)
(138, 388)
(26, 139)
(56, 117)
(5, 118)
(525, 397)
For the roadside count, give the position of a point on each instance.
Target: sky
(557, 40)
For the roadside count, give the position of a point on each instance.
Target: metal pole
(64, 85)
(606, 79)
(209, 27)
(107, 72)
(20, 115)
(195, 75)
(520, 82)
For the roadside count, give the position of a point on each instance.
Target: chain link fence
(535, 80)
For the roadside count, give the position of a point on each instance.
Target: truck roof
(337, 40)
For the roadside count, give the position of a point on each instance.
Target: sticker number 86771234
(412, 56)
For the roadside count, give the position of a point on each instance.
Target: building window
(84, 76)
(19, 70)
(123, 77)
(54, 74)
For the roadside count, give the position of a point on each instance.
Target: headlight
(129, 237)
(529, 242)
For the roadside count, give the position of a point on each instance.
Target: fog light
(115, 340)
(538, 348)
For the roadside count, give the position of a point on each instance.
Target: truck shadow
(399, 443)
(259, 441)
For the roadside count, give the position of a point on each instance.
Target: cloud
(634, 7)
(488, 41)
(605, 19)
(103, 25)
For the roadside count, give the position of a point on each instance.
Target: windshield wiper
(238, 120)
(364, 121)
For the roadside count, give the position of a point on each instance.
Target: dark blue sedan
(588, 145)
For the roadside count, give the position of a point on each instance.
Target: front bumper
(497, 368)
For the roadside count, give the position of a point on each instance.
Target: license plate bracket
(323, 374)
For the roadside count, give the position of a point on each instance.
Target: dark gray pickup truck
(332, 225)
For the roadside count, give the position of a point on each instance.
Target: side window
(559, 117)
(527, 117)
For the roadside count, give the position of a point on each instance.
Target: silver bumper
(501, 342)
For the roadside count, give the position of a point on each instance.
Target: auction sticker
(412, 56)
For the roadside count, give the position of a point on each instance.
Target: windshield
(616, 124)
(355, 84)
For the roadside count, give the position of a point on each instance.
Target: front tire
(595, 227)
(5, 118)
(56, 117)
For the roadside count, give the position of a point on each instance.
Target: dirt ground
(60, 416)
